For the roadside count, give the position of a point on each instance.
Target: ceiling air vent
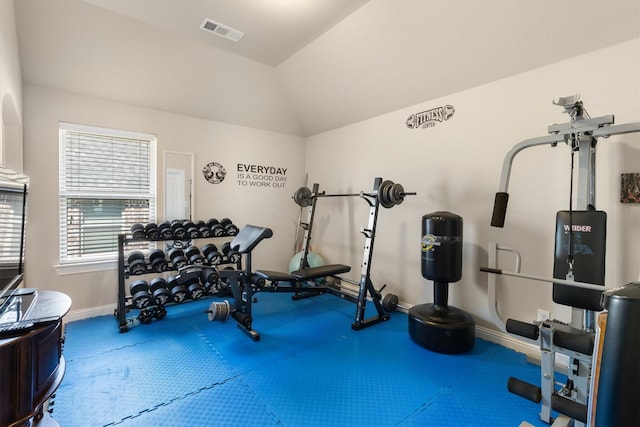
(221, 30)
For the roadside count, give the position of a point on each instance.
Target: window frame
(105, 260)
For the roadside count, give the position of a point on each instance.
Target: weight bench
(244, 283)
(298, 280)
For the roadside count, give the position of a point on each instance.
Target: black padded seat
(321, 271)
(249, 237)
(274, 276)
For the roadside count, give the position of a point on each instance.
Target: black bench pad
(249, 237)
(321, 271)
(274, 276)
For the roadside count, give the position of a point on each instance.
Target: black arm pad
(524, 389)
(499, 209)
(523, 329)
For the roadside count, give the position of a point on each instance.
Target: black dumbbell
(229, 228)
(151, 231)
(192, 230)
(193, 255)
(159, 291)
(210, 252)
(179, 232)
(211, 280)
(157, 260)
(217, 230)
(139, 291)
(232, 255)
(137, 231)
(137, 264)
(204, 229)
(159, 312)
(176, 255)
(191, 280)
(178, 291)
(165, 230)
(146, 316)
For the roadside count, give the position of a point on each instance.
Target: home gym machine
(578, 279)
(304, 282)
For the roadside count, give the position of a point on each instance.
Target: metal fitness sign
(430, 118)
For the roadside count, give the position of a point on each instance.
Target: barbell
(388, 195)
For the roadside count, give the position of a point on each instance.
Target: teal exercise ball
(313, 259)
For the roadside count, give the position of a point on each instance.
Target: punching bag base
(442, 329)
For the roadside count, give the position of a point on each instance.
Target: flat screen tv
(13, 198)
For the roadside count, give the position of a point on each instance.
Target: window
(107, 183)
(12, 210)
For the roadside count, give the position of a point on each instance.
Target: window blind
(107, 183)
(11, 243)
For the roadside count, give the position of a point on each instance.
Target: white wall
(228, 145)
(10, 90)
(456, 166)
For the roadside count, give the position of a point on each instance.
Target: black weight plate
(157, 283)
(137, 267)
(135, 255)
(141, 299)
(396, 193)
(137, 286)
(383, 194)
(208, 248)
(302, 197)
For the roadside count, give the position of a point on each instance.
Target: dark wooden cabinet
(32, 365)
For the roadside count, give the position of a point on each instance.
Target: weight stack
(438, 326)
(619, 381)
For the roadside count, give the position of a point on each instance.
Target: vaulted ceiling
(303, 66)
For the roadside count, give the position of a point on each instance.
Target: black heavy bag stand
(438, 326)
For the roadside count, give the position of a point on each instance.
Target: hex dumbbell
(210, 252)
(137, 264)
(165, 230)
(217, 230)
(193, 255)
(176, 255)
(229, 228)
(232, 255)
(157, 260)
(159, 291)
(179, 232)
(204, 229)
(191, 280)
(151, 231)
(192, 230)
(176, 289)
(211, 280)
(137, 231)
(139, 291)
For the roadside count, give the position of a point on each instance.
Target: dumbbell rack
(123, 274)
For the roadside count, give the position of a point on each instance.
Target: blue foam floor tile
(128, 380)
(308, 369)
(231, 404)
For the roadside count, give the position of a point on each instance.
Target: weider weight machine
(577, 282)
(245, 283)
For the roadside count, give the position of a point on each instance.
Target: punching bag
(438, 326)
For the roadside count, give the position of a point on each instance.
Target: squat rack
(385, 193)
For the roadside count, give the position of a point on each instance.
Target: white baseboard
(86, 313)
(531, 349)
